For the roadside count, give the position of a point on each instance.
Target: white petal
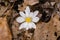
(27, 11)
(31, 25)
(36, 13)
(35, 19)
(22, 14)
(20, 19)
(24, 25)
(31, 14)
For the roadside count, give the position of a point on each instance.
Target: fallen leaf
(5, 33)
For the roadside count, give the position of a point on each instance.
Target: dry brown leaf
(31, 2)
(26, 3)
(5, 33)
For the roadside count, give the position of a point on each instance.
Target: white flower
(28, 19)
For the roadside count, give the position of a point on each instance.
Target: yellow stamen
(28, 19)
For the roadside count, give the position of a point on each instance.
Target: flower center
(28, 19)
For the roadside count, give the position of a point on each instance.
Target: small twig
(8, 8)
(5, 10)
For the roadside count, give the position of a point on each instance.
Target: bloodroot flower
(28, 19)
